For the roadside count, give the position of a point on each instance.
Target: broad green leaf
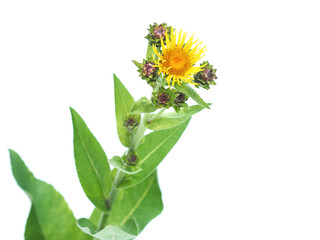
(143, 105)
(154, 149)
(187, 89)
(118, 163)
(107, 233)
(91, 162)
(49, 212)
(140, 203)
(172, 119)
(123, 104)
(33, 228)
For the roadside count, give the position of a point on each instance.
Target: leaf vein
(92, 164)
(138, 203)
(160, 145)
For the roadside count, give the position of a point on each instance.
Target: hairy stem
(102, 221)
(112, 196)
(114, 190)
(120, 175)
(140, 132)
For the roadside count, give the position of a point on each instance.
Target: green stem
(114, 189)
(112, 196)
(140, 132)
(102, 221)
(120, 175)
(134, 143)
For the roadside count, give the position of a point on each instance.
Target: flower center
(159, 32)
(177, 60)
(163, 99)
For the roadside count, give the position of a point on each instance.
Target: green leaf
(91, 162)
(143, 105)
(187, 89)
(149, 53)
(140, 203)
(33, 228)
(172, 119)
(154, 149)
(118, 163)
(123, 104)
(139, 65)
(94, 219)
(107, 233)
(50, 217)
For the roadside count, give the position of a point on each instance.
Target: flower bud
(180, 101)
(156, 32)
(131, 122)
(131, 158)
(147, 71)
(205, 77)
(163, 98)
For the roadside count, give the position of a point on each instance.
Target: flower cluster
(167, 97)
(172, 62)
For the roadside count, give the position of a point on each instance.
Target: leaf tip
(12, 154)
(73, 113)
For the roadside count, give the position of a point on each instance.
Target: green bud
(132, 121)
(148, 72)
(157, 32)
(205, 77)
(131, 158)
(180, 101)
(163, 98)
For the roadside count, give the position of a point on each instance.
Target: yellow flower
(178, 57)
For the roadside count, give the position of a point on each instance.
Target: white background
(247, 169)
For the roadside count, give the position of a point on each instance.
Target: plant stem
(114, 189)
(134, 143)
(102, 221)
(120, 175)
(112, 196)
(140, 132)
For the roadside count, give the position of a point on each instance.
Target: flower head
(163, 98)
(132, 121)
(180, 101)
(157, 32)
(131, 159)
(205, 77)
(149, 72)
(178, 56)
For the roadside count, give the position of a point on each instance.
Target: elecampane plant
(124, 189)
